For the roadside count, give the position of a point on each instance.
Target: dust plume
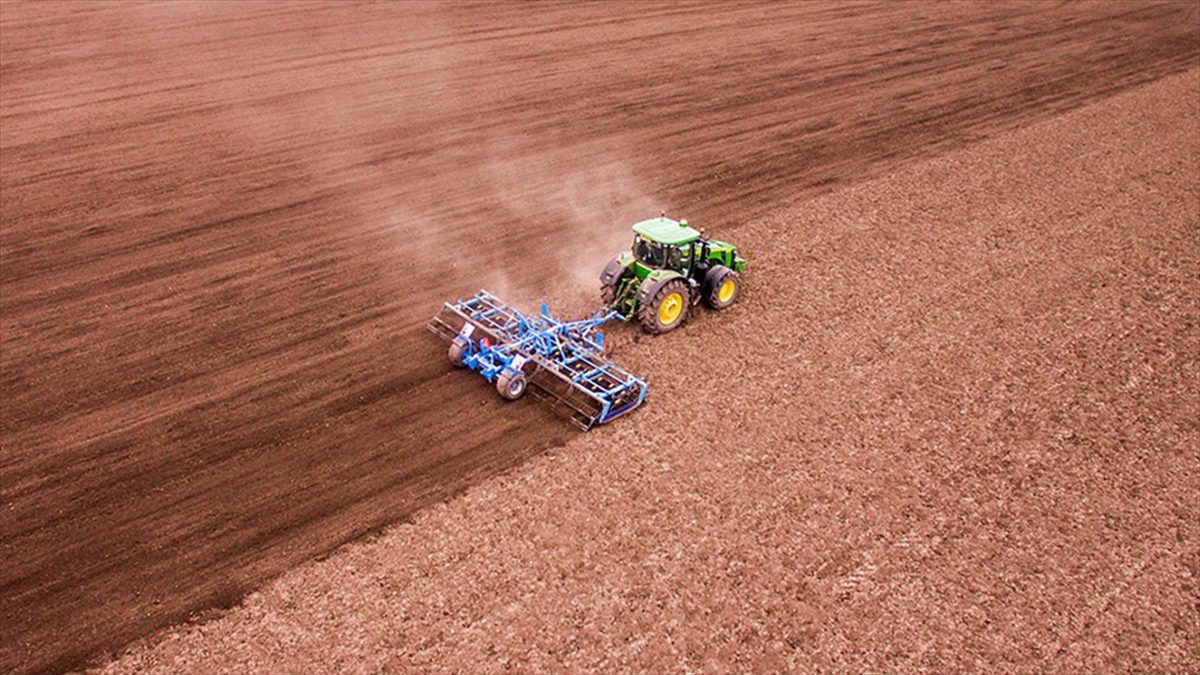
(418, 187)
(582, 200)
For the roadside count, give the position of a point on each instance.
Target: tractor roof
(666, 231)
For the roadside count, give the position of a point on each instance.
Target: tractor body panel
(725, 254)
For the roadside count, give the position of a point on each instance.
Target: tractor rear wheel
(667, 310)
(721, 286)
(608, 294)
(511, 384)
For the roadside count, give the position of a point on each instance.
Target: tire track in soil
(222, 230)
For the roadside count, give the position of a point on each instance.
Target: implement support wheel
(457, 348)
(511, 384)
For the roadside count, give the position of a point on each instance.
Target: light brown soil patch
(954, 424)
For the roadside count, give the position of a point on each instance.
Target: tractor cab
(671, 267)
(662, 243)
(650, 253)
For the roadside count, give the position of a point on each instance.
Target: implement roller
(561, 362)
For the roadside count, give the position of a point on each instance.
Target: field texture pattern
(959, 431)
(222, 225)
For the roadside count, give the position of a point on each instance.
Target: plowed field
(222, 226)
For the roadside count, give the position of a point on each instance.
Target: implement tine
(567, 398)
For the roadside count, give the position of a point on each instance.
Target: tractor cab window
(674, 260)
(687, 256)
(648, 252)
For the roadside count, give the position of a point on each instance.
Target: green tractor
(671, 268)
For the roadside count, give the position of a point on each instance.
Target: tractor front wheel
(721, 286)
(667, 310)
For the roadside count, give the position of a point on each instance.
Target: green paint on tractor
(670, 268)
(666, 231)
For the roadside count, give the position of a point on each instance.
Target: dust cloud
(413, 178)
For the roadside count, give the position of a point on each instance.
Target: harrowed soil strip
(951, 424)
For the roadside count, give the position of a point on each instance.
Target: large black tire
(610, 279)
(608, 294)
(511, 384)
(608, 291)
(667, 310)
(721, 287)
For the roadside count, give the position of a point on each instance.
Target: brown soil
(222, 226)
(952, 425)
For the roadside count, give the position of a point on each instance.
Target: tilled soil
(953, 424)
(223, 224)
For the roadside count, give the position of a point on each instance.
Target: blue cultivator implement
(559, 361)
